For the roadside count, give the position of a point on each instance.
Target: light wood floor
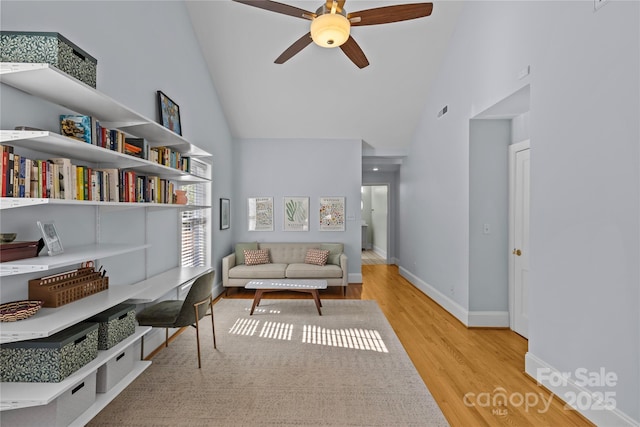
(455, 361)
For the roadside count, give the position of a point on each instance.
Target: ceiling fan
(331, 24)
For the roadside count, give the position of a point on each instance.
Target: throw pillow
(316, 256)
(335, 250)
(240, 247)
(255, 257)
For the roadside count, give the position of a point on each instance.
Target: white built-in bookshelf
(48, 83)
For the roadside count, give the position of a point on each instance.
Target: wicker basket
(67, 287)
(18, 310)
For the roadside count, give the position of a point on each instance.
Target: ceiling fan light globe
(330, 30)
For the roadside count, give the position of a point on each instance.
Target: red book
(43, 172)
(5, 165)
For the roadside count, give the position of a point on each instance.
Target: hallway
(372, 258)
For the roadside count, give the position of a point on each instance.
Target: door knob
(517, 252)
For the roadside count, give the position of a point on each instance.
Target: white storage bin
(114, 370)
(60, 412)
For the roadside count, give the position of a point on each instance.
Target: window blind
(195, 223)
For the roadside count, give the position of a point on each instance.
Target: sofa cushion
(261, 271)
(240, 247)
(256, 256)
(335, 250)
(311, 271)
(316, 256)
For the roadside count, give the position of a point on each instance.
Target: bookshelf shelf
(24, 395)
(71, 256)
(20, 202)
(47, 82)
(62, 146)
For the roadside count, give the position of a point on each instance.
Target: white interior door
(520, 156)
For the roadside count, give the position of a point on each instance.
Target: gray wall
(313, 168)
(141, 47)
(488, 204)
(585, 180)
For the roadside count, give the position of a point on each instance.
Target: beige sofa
(286, 262)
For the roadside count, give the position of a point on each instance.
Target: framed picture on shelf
(51, 238)
(225, 212)
(332, 210)
(296, 214)
(260, 213)
(169, 113)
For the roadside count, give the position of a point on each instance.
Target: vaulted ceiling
(320, 93)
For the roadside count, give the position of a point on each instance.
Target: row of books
(59, 178)
(89, 130)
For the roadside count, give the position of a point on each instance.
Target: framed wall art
(260, 213)
(169, 113)
(51, 238)
(332, 211)
(296, 214)
(225, 214)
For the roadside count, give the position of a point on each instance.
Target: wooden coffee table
(309, 286)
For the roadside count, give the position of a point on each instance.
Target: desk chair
(177, 313)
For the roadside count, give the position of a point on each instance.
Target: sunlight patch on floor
(362, 339)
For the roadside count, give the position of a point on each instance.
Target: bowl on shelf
(19, 310)
(8, 237)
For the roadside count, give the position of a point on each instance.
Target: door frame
(388, 185)
(513, 149)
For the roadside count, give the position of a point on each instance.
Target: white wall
(313, 168)
(141, 47)
(585, 180)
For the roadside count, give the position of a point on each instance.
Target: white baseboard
(488, 319)
(447, 303)
(589, 405)
(380, 252)
(471, 319)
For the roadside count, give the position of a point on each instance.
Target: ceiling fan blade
(296, 47)
(279, 8)
(354, 52)
(388, 14)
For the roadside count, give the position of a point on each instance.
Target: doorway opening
(375, 224)
(492, 251)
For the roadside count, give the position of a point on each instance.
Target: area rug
(283, 366)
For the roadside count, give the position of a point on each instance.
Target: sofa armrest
(345, 270)
(228, 263)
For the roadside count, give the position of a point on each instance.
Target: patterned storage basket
(50, 359)
(51, 48)
(116, 324)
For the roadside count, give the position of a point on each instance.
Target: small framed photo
(51, 238)
(225, 212)
(169, 113)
